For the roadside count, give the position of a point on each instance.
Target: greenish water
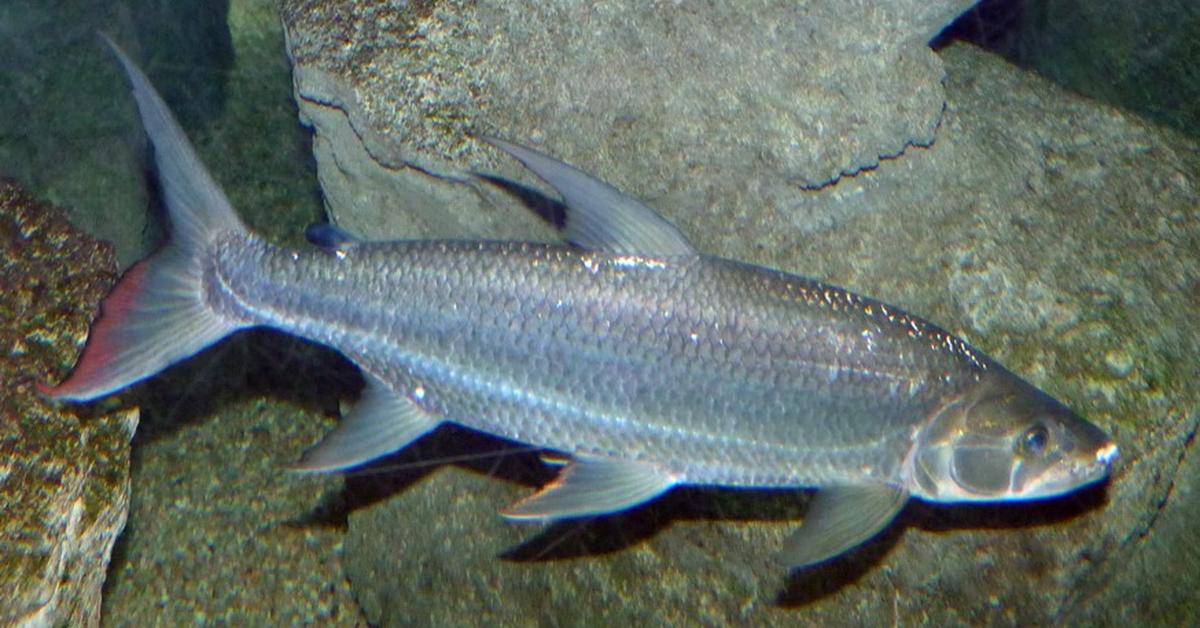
(68, 130)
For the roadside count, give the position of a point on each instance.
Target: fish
(639, 362)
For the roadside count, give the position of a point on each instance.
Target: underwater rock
(1055, 233)
(64, 477)
(737, 105)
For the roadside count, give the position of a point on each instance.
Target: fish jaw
(1005, 440)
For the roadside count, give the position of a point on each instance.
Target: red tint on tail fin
(100, 352)
(157, 314)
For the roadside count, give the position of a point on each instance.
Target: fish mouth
(1067, 476)
(1084, 472)
(1108, 455)
(1102, 466)
(1099, 467)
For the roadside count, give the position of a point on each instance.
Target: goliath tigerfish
(647, 364)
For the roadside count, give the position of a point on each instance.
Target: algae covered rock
(737, 104)
(64, 476)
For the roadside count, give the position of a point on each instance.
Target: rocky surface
(1057, 234)
(219, 532)
(729, 110)
(64, 471)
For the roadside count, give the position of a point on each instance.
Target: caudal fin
(156, 315)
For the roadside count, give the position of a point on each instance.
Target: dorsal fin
(599, 216)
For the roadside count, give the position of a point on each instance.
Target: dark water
(68, 133)
(1136, 55)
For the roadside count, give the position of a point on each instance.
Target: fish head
(1005, 440)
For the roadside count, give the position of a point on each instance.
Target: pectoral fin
(589, 487)
(841, 518)
(380, 423)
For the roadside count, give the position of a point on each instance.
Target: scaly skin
(720, 372)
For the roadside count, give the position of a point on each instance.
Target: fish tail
(157, 315)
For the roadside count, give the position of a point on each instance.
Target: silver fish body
(721, 372)
(648, 364)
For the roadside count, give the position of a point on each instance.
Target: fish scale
(718, 367)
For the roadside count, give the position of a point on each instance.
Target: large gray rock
(64, 477)
(1056, 234)
(729, 110)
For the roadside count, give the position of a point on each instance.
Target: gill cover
(1006, 440)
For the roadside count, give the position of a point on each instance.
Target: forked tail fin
(156, 315)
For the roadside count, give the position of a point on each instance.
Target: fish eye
(1033, 442)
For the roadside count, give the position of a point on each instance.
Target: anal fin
(590, 486)
(840, 518)
(380, 423)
